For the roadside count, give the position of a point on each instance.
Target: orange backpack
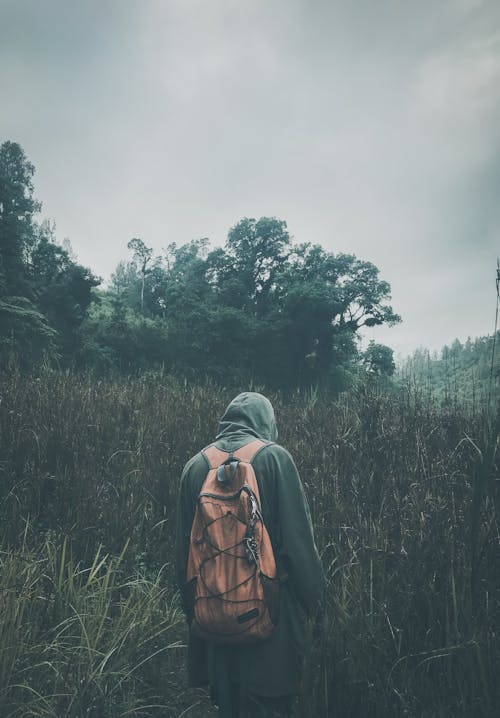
(232, 586)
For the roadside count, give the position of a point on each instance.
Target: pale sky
(372, 128)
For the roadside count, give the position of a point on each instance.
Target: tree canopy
(44, 293)
(260, 308)
(467, 372)
(284, 314)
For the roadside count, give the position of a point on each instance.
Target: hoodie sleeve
(190, 484)
(297, 552)
(182, 534)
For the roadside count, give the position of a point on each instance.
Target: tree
(24, 330)
(17, 209)
(379, 359)
(115, 337)
(460, 371)
(44, 293)
(142, 255)
(325, 299)
(261, 307)
(255, 252)
(62, 287)
(358, 295)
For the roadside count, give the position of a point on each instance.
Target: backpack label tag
(248, 615)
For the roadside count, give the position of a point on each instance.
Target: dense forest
(261, 308)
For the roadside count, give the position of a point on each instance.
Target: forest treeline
(262, 307)
(467, 372)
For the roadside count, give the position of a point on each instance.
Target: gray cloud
(371, 128)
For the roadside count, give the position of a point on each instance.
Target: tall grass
(404, 497)
(81, 641)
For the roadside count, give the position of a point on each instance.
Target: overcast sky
(371, 127)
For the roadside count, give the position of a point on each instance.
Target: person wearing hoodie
(259, 679)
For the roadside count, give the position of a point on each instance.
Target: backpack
(232, 592)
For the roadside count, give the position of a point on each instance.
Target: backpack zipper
(219, 496)
(255, 504)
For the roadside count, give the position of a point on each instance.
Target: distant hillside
(461, 372)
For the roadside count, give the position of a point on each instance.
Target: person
(258, 680)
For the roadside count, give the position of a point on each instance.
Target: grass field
(405, 498)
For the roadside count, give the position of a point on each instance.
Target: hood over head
(248, 415)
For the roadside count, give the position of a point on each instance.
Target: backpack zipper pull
(251, 550)
(222, 475)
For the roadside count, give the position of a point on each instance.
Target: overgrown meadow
(405, 498)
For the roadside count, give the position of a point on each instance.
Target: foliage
(25, 334)
(44, 293)
(468, 372)
(62, 287)
(379, 359)
(17, 207)
(142, 255)
(116, 338)
(262, 307)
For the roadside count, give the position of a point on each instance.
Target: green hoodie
(271, 667)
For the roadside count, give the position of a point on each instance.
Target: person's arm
(298, 552)
(184, 520)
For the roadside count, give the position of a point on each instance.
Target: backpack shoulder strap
(248, 452)
(214, 456)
